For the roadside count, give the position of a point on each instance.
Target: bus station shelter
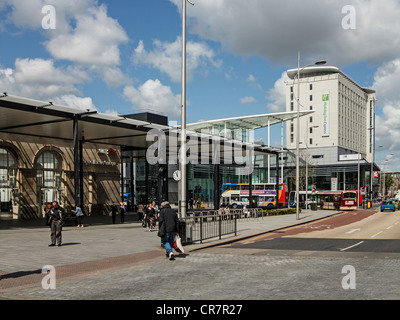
(89, 141)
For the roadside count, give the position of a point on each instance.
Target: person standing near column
(79, 215)
(114, 210)
(57, 219)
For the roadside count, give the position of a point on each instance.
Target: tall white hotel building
(341, 127)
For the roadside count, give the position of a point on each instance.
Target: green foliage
(277, 212)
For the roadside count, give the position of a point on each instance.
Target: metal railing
(203, 225)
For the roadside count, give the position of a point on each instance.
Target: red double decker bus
(339, 200)
(236, 195)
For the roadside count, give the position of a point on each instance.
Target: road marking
(354, 230)
(389, 227)
(354, 245)
(376, 234)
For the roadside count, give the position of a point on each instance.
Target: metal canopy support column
(122, 179)
(269, 157)
(217, 184)
(277, 180)
(146, 181)
(250, 190)
(76, 161)
(131, 184)
(82, 195)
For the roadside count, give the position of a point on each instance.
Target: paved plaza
(126, 261)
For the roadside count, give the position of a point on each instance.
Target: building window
(310, 97)
(48, 175)
(310, 119)
(311, 108)
(310, 86)
(311, 130)
(8, 170)
(310, 141)
(291, 138)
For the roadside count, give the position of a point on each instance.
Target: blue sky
(123, 56)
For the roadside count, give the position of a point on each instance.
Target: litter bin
(314, 206)
(182, 231)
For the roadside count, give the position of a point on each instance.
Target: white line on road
(354, 245)
(376, 234)
(354, 230)
(389, 227)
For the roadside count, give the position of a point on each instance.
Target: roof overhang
(247, 122)
(33, 119)
(292, 74)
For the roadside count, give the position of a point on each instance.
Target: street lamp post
(183, 180)
(306, 144)
(298, 130)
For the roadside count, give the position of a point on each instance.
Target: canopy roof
(51, 122)
(21, 116)
(247, 122)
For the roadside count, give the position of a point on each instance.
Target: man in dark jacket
(58, 215)
(168, 217)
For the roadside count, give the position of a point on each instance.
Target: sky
(124, 56)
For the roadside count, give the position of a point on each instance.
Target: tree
(389, 181)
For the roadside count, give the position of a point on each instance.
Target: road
(377, 234)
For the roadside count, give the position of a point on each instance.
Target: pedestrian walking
(140, 211)
(246, 212)
(122, 212)
(168, 217)
(57, 214)
(79, 215)
(114, 210)
(150, 216)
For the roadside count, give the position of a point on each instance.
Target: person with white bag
(169, 218)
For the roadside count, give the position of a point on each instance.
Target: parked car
(388, 205)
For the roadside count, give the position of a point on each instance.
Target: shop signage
(101, 163)
(325, 114)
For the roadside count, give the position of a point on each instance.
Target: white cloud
(278, 94)
(83, 103)
(166, 57)
(84, 34)
(40, 79)
(276, 30)
(153, 96)
(252, 80)
(28, 13)
(387, 122)
(94, 41)
(246, 100)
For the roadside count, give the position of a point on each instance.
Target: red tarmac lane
(339, 220)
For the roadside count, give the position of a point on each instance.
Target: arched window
(48, 174)
(8, 173)
(48, 167)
